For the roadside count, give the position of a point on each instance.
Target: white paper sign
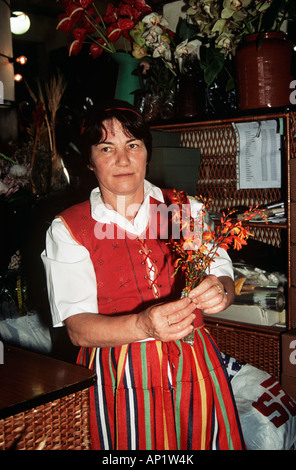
(258, 155)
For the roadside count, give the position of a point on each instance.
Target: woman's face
(119, 163)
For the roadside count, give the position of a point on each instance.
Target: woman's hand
(213, 294)
(168, 322)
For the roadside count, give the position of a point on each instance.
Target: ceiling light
(18, 77)
(19, 22)
(22, 59)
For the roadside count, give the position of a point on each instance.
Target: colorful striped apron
(145, 399)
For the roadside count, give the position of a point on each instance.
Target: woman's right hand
(169, 321)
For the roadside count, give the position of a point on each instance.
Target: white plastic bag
(267, 413)
(26, 331)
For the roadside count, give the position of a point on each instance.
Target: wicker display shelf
(217, 179)
(44, 403)
(257, 346)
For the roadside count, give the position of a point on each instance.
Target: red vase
(263, 73)
(187, 101)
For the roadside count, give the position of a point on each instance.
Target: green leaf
(186, 30)
(212, 64)
(7, 158)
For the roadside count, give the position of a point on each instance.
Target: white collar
(101, 213)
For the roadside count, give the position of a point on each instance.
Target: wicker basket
(62, 424)
(261, 350)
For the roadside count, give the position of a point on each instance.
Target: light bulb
(19, 22)
(21, 60)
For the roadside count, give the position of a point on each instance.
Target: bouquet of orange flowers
(198, 246)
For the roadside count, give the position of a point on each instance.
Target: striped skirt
(162, 396)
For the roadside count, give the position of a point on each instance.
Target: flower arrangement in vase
(114, 32)
(223, 24)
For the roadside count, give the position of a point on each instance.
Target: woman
(110, 281)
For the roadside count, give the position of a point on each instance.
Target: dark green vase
(127, 83)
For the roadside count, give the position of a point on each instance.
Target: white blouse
(71, 280)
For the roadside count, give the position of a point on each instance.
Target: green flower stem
(8, 159)
(100, 32)
(99, 15)
(190, 337)
(169, 66)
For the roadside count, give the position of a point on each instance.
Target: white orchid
(225, 42)
(162, 50)
(153, 19)
(186, 49)
(152, 35)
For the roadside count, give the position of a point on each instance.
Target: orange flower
(195, 262)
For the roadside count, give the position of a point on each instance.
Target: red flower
(87, 26)
(79, 33)
(75, 47)
(85, 3)
(91, 12)
(125, 10)
(96, 50)
(125, 24)
(113, 32)
(136, 14)
(65, 23)
(142, 6)
(117, 21)
(75, 11)
(111, 14)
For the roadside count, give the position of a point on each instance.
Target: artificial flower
(95, 50)
(198, 245)
(75, 47)
(89, 26)
(153, 19)
(187, 50)
(162, 50)
(222, 25)
(151, 36)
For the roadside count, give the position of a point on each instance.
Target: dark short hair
(94, 132)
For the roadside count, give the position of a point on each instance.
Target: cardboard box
(289, 353)
(250, 314)
(174, 168)
(288, 383)
(165, 139)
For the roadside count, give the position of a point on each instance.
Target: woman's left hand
(213, 294)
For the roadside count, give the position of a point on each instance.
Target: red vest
(122, 261)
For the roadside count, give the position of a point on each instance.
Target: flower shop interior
(216, 81)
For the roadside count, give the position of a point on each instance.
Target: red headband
(124, 109)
